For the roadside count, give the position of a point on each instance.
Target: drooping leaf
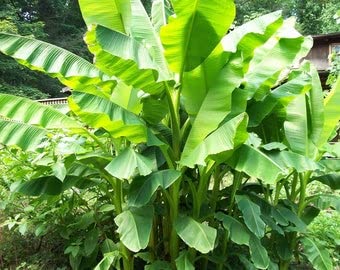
(134, 227)
(25, 136)
(183, 262)
(258, 253)
(237, 232)
(185, 46)
(283, 94)
(32, 112)
(99, 112)
(158, 14)
(227, 137)
(252, 161)
(289, 160)
(325, 201)
(108, 260)
(296, 127)
(251, 215)
(196, 235)
(69, 68)
(286, 46)
(120, 55)
(127, 163)
(127, 97)
(108, 13)
(142, 188)
(331, 113)
(48, 185)
(316, 254)
(216, 106)
(332, 180)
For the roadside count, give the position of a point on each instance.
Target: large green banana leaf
(227, 137)
(195, 31)
(245, 38)
(130, 18)
(99, 112)
(120, 55)
(107, 14)
(69, 68)
(216, 105)
(256, 164)
(272, 60)
(25, 136)
(31, 112)
(158, 14)
(282, 95)
(331, 113)
(297, 127)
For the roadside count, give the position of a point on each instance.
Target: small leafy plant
(199, 142)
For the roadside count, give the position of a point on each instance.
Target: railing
(53, 101)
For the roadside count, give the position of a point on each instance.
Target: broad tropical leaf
(99, 112)
(204, 76)
(108, 260)
(238, 233)
(227, 137)
(332, 180)
(283, 95)
(196, 235)
(120, 55)
(34, 113)
(127, 163)
(107, 14)
(251, 160)
(317, 255)
(69, 68)
(216, 105)
(286, 46)
(158, 14)
(134, 227)
(25, 136)
(251, 215)
(183, 262)
(142, 188)
(331, 113)
(258, 253)
(185, 46)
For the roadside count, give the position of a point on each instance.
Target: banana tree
(197, 127)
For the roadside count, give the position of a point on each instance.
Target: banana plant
(197, 129)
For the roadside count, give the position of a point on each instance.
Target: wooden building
(323, 46)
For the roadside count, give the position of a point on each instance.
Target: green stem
(293, 192)
(173, 102)
(236, 184)
(174, 241)
(220, 265)
(202, 187)
(117, 199)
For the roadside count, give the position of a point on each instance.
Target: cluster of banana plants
(204, 138)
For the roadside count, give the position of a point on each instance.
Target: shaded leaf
(196, 235)
(251, 215)
(142, 188)
(127, 163)
(316, 254)
(134, 227)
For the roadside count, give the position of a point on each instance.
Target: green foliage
(134, 176)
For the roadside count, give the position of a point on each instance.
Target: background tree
(58, 22)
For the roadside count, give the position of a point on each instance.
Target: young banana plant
(199, 128)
